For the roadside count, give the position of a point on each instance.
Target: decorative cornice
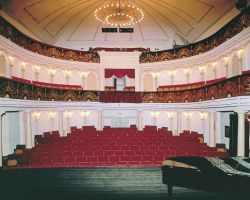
(229, 104)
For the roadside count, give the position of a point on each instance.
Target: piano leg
(170, 191)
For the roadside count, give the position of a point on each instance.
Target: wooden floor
(112, 183)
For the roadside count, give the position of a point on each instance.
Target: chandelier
(119, 14)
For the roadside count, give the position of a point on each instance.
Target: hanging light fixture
(117, 14)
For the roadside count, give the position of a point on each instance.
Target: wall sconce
(214, 64)
(11, 59)
(51, 71)
(68, 114)
(186, 71)
(171, 117)
(171, 73)
(188, 115)
(84, 114)
(51, 114)
(37, 69)
(67, 73)
(84, 74)
(155, 75)
(240, 54)
(155, 114)
(36, 115)
(226, 60)
(202, 69)
(203, 115)
(23, 65)
(170, 114)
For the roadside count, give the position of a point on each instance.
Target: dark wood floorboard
(104, 183)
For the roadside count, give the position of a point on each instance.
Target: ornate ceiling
(72, 24)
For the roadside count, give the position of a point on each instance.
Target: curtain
(119, 73)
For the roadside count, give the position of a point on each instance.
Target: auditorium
(124, 99)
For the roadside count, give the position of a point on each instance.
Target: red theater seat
(115, 147)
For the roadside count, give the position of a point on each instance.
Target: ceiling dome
(72, 23)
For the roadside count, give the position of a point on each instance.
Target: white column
(218, 127)
(28, 130)
(60, 118)
(100, 120)
(241, 134)
(68, 126)
(1, 133)
(139, 120)
(179, 126)
(212, 137)
(22, 127)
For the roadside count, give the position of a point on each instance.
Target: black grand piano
(230, 176)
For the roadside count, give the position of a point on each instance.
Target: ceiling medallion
(119, 14)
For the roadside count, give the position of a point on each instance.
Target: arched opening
(148, 83)
(91, 82)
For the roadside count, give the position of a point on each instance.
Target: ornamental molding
(229, 104)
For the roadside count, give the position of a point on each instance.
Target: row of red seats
(102, 160)
(97, 153)
(119, 146)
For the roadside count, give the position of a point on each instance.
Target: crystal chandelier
(118, 14)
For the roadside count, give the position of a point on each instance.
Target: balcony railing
(235, 86)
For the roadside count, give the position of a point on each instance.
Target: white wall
(109, 115)
(10, 132)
